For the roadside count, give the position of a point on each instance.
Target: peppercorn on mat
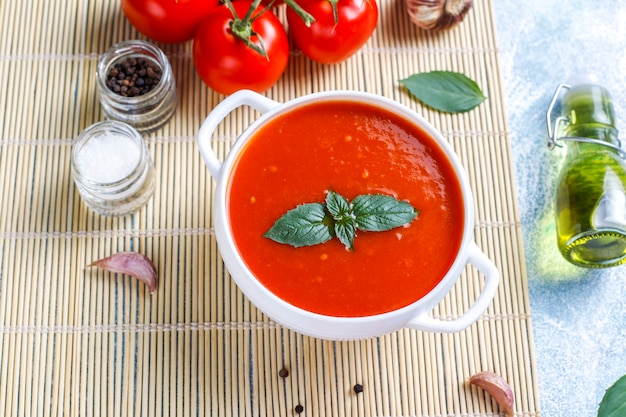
(77, 341)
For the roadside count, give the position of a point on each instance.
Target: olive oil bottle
(591, 186)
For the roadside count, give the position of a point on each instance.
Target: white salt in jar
(112, 168)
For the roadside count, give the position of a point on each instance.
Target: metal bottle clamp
(553, 140)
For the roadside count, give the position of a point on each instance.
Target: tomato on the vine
(340, 29)
(275, 3)
(236, 49)
(169, 21)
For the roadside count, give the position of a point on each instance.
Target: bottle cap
(583, 79)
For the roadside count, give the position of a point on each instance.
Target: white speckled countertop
(579, 315)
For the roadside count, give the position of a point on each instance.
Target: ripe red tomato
(328, 41)
(274, 3)
(224, 61)
(169, 21)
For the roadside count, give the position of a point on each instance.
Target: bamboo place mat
(76, 341)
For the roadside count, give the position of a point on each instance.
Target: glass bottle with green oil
(591, 186)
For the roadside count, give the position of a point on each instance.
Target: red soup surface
(351, 148)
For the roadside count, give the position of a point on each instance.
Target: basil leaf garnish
(613, 403)
(337, 205)
(345, 224)
(446, 91)
(306, 225)
(377, 212)
(346, 232)
(314, 223)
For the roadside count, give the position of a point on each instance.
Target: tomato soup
(351, 148)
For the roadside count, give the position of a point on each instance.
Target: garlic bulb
(437, 14)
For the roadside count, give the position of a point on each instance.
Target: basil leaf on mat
(446, 91)
(613, 403)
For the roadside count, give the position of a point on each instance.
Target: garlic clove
(497, 387)
(437, 14)
(131, 263)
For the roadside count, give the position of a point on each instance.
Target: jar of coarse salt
(112, 168)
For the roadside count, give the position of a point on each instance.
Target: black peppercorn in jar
(136, 85)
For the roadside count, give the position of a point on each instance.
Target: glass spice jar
(112, 168)
(136, 85)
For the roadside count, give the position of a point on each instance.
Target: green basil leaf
(337, 205)
(346, 232)
(446, 91)
(315, 223)
(345, 225)
(306, 225)
(377, 212)
(613, 403)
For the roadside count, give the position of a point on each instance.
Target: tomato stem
(242, 28)
(306, 16)
(333, 4)
(248, 16)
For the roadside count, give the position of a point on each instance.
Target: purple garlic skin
(497, 387)
(131, 263)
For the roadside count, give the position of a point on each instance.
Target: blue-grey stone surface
(579, 315)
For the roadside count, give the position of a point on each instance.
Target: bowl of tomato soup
(357, 159)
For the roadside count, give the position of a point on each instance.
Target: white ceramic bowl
(415, 315)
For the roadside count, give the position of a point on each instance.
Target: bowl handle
(477, 258)
(219, 113)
